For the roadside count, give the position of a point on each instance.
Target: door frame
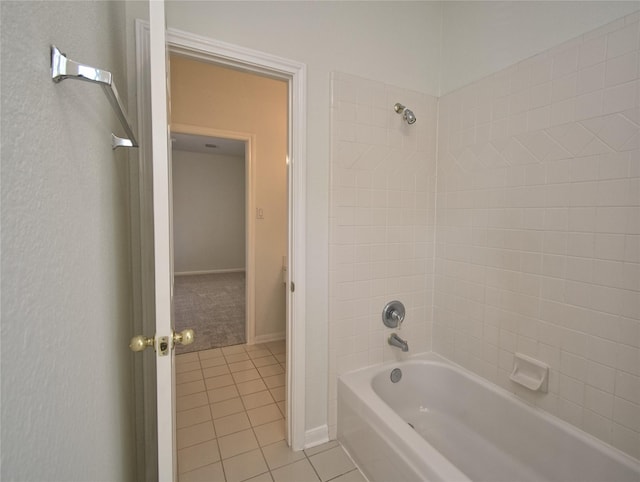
(295, 74)
(249, 216)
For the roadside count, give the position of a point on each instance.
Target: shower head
(407, 114)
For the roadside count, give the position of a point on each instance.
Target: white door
(167, 467)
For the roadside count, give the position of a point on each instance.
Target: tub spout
(395, 340)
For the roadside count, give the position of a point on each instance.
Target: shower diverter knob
(393, 314)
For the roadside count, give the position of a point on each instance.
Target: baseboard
(211, 271)
(269, 337)
(316, 436)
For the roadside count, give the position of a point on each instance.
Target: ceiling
(194, 143)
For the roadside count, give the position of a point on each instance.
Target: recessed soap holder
(530, 373)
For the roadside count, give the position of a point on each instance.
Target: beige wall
(67, 401)
(208, 212)
(208, 96)
(480, 38)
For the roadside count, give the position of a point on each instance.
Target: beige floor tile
(257, 346)
(230, 350)
(195, 434)
(353, 476)
(278, 393)
(270, 370)
(270, 432)
(236, 357)
(283, 408)
(244, 466)
(241, 366)
(187, 358)
(208, 473)
(224, 393)
(227, 407)
(198, 456)
(275, 381)
(231, 424)
(213, 353)
(257, 399)
(279, 454)
(300, 471)
(252, 386)
(186, 377)
(190, 388)
(213, 362)
(193, 416)
(219, 381)
(258, 353)
(281, 357)
(266, 477)
(331, 463)
(187, 367)
(265, 361)
(262, 415)
(321, 448)
(237, 443)
(246, 375)
(191, 401)
(215, 371)
(277, 346)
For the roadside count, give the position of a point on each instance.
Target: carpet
(213, 306)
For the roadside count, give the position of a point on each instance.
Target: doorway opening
(212, 241)
(214, 100)
(229, 218)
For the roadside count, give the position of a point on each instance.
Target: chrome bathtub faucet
(395, 340)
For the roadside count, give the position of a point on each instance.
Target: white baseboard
(211, 271)
(316, 436)
(269, 337)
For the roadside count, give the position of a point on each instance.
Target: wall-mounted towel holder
(530, 373)
(64, 68)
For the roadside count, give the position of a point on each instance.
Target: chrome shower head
(407, 114)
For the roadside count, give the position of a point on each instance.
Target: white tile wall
(381, 222)
(538, 228)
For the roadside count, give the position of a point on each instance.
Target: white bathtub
(465, 429)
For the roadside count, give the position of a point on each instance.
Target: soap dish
(530, 373)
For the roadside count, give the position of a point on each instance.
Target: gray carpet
(213, 306)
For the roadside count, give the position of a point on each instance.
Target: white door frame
(222, 53)
(249, 216)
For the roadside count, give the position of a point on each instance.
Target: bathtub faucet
(395, 340)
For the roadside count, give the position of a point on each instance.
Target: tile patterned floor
(230, 421)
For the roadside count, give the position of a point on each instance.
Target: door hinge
(293, 286)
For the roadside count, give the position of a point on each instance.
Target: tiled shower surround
(381, 222)
(537, 228)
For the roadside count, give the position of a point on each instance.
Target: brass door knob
(185, 337)
(140, 342)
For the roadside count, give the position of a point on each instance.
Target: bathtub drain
(396, 375)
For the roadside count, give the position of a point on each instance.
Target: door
(165, 382)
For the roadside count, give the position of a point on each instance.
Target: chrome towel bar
(64, 68)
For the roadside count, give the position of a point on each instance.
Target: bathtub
(441, 422)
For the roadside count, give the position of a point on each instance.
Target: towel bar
(64, 68)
